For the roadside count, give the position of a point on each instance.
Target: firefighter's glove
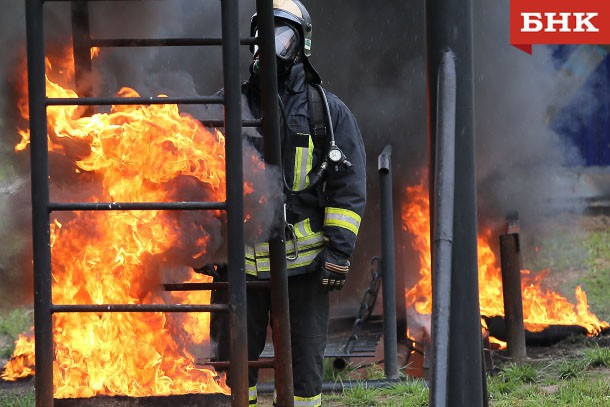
(212, 270)
(333, 270)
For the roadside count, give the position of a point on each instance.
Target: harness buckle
(293, 236)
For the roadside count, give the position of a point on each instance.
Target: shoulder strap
(317, 118)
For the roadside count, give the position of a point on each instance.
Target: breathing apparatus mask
(287, 49)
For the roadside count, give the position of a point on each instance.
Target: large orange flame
(541, 306)
(131, 154)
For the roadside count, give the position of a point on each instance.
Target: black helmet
(297, 16)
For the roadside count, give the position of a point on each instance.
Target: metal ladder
(42, 207)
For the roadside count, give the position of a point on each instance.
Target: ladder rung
(140, 308)
(212, 286)
(193, 100)
(257, 364)
(221, 123)
(163, 42)
(135, 206)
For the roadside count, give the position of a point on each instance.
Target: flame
(94, 51)
(541, 306)
(21, 364)
(131, 154)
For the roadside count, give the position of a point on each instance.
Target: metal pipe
(510, 260)
(117, 101)
(221, 123)
(253, 364)
(341, 385)
(236, 255)
(81, 49)
(140, 308)
(388, 277)
(277, 246)
(255, 285)
(39, 159)
(135, 206)
(164, 42)
(449, 26)
(444, 175)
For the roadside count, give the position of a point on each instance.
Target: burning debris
(542, 307)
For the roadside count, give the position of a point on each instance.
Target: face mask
(286, 43)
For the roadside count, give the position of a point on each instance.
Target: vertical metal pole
(510, 260)
(449, 26)
(442, 241)
(43, 319)
(388, 276)
(81, 39)
(235, 204)
(277, 245)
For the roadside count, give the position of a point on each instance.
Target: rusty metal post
(510, 260)
(277, 244)
(235, 204)
(43, 319)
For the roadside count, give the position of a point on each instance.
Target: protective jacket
(329, 214)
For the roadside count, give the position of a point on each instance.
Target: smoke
(522, 164)
(370, 54)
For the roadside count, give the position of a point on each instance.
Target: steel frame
(42, 207)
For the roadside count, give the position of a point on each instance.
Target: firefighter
(324, 184)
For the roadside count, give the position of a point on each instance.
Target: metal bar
(449, 26)
(43, 320)
(82, 51)
(135, 206)
(253, 364)
(340, 386)
(444, 176)
(255, 285)
(238, 346)
(221, 123)
(164, 42)
(280, 317)
(192, 100)
(388, 277)
(140, 308)
(510, 260)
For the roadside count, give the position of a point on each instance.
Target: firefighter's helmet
(296, 15)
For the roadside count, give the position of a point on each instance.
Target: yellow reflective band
(342, 218)
(262, 249)
(263, 265)
(303, 159)
(307, 225)
(308, 401)
(252, 396)
(250, 267)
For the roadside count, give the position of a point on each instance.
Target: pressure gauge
(335, 155)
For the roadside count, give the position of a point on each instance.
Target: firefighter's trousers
(308, 328)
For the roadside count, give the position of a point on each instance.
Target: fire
(131, 154)
(541, 306)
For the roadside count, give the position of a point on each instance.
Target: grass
(12, 323)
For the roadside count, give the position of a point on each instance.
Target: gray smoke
(371, 54)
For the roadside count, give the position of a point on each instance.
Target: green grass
(18, 399)
(12, 323)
